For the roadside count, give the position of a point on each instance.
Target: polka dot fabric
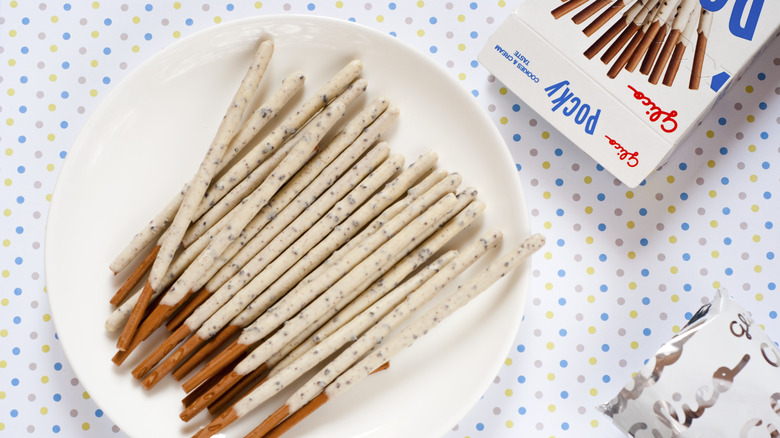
(622, 271)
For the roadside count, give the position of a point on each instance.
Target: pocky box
(627, 80)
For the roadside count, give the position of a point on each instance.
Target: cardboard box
(629, 91)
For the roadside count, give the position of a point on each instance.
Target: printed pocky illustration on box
(627, 80)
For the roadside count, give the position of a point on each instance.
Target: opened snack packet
(718, 377)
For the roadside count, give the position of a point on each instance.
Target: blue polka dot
(475, 64)
(762, 105)
(17, 320)
(643, 211)
(25, 50)
(684, 196)
(687, 287)
(603, 257)
(64, 94)
(558, 152)
(761, 76)
(188, 22)
(433, 49)
(473, 5)
(148, 7)
(57, 397)
(63, 154)
(15, 382)
(685, 226)
(771, 286)
(686, 256)
(764, 135)
(722, 121)
(22, 139)
(728, 271)
(768, 225)
(564, 425)
(98, 413)
(15, 351)
(562, 301)
(564, 363)
(646, 332)
(148, 36)
(310, 6)
(23, 79)
(21, 169)
(17, 291)
(518, 166)
(727, 240)
(724, 150)
(770, 255)
(22, 109)
(14, 413)
(645, 301)
(688, 315)
(559, 182)
(601, 197)
(605, 347)
(107, 22)
(352, 19)
(561, 273)
(559, 212)
(63, 124)
(521, 348)
(683, 166)
(599, 167)
(19, 230)
(55, 429)
(726, 211)
(516, 137)
(391, 6)
(564, 395)
(392, 33)
(66, 36)
(560, 242)
(25, 20)
(474, 34)
(605, 378)
(432, 20)
(643, 241)
(767, 195)
(230, 7)
(106, 80)
(604, 316)
(724, 181)
(18, 261)
(57, 366)
(480, 426)
(645, 272)
(562, 332)
(66, 6)
(516, 107)
(603, 288)
(602, 227)
(475, 93)
(521, 411)
(773, 314)
(107, 50)
(765, 165)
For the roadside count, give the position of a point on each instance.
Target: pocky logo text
(742, 21)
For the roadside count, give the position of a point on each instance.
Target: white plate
(148, 137)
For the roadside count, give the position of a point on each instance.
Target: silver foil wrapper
(718, 377)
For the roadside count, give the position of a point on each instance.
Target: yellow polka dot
(52, 107)
(85, 426)
(592, 330)
(710, 134)
(551, 408)
(420, 4)
(380, 18)
(509, 424)
(587, 180)
(630, 225)
(9, 152)
(461, 47)
(502, 91)
(753, 178)
(757, 268)
(591, 299)
(716, 285)
(95, 5)
(673, 269)
(6, 212)
(12, 33)
(548, 255)
(545, 135)
(95, 34)
(46, 317)
(13, 3)
(589, 209)
(749, 89)
(10, 92)
(3, 364)
(754, 208)
(546, 164)
(633, 314)
(594, 423)
(676, 329)
(8, 182)
(176, 34)
(714, 223)
(4, 332)
(549, 314)
(715, 254)
(339, 5)
(461, 18)
(594, 392)
(751, 118)
(217, 19)
(752, 148)
(548, 286)
(550, 377)
(135, 49)
(550, 346)
(93, 63)
(93, 92)
(759, 297)
(590, 271)
(53, 48)
(672, 209)
(44, 410)
(85, 395)
(634, 345)
(756, 238)
(2, 425)
(45, 348)
(589, 240)
(593, 361)
(508, 361)
(136, 19)
(508, 393)
(177, 5)
(45, 379)
(670, 179)
(501, 3)
(54, 19)
(503, 120)
(547, 225)
(6, 243)
(630, 194)
(675, 298)
(672, 239)
(5, 273)
(420, 32)
(48, 197)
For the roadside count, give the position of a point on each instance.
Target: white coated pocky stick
(182, 288)
(367, 176)
(333, 287)
(253, 180)
(197, 187)
(325, 386)
(291, 125)
(373, 336)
